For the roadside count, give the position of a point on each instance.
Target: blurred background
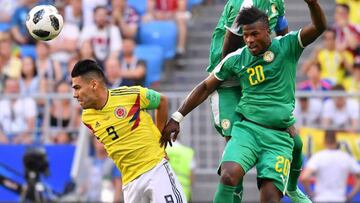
(164, 45)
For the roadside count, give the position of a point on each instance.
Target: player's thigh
(242, 148)
(275, 160)
(135, 191)
(165, 186)
(223, 103)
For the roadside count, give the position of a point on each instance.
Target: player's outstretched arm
(161, 112)
(310, 32)
(194, 99)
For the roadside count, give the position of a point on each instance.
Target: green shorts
(270, 150)
(223, 103)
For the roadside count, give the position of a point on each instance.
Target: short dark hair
(250, 15)
(86, 68)
(330, 137)
(345, 6)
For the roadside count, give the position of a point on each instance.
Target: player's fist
(171, 129)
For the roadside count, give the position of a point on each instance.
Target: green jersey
(267, 80)
(274, 9)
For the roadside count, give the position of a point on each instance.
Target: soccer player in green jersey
(228, 35)
(266, 71)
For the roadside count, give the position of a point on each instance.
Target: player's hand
(292, 131)
(171, 129)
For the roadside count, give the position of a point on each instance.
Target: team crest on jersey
(225, 124)
(269, 56)
(120, 112)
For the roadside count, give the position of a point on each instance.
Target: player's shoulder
(123, 90)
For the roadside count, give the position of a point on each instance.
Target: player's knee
(228, 179)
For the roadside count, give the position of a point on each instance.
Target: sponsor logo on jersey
(225, 124)
(120, 112)
(97, 124)
(269, 56)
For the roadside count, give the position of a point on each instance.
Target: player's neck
(102, 99)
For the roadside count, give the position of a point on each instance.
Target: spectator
(126, 18)
(341, 113)
(352, 83)
(10, 65)
(18, 27)
(104, 37)
(7, 8)
(347, 34)
(88, 7)
(17, 116)
(101, 170)
(62, 113)
(354, 11)
(112, 72)
(86, 50)
(65, 44)
(61, 137)
(170, 10)
(29, 81)
(181, 159)
(333, 63)
(74, 13)
(331, 168)
(49, 70)
(133, 70)
(308, 112)
(314, 82)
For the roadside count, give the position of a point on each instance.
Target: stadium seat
(138, 5)
(28, 50)
(162, 33)
(153, 56)
(4, 27)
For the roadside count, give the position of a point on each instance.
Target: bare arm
(117, 189)
(306, 181)
(194, 99)
(232, 42)
(312, 31)
(199, 94)
(161, 113)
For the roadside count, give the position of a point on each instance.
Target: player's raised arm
(312, 31)
(194, 99)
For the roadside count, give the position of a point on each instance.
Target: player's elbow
(163, 102)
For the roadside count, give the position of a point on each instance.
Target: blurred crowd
(333, 66)
(104, 30)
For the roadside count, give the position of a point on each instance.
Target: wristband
(177, 116)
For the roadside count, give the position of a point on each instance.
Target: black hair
(330, 136)
(250, 15)
(345, 6)
(338, 87)
(88, 68)
(34, 68)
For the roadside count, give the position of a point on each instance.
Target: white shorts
(159, 185)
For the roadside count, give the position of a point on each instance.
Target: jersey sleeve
(149, 99)
(235, 28)
(224, 69)
(292, 43)
(280, 6)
